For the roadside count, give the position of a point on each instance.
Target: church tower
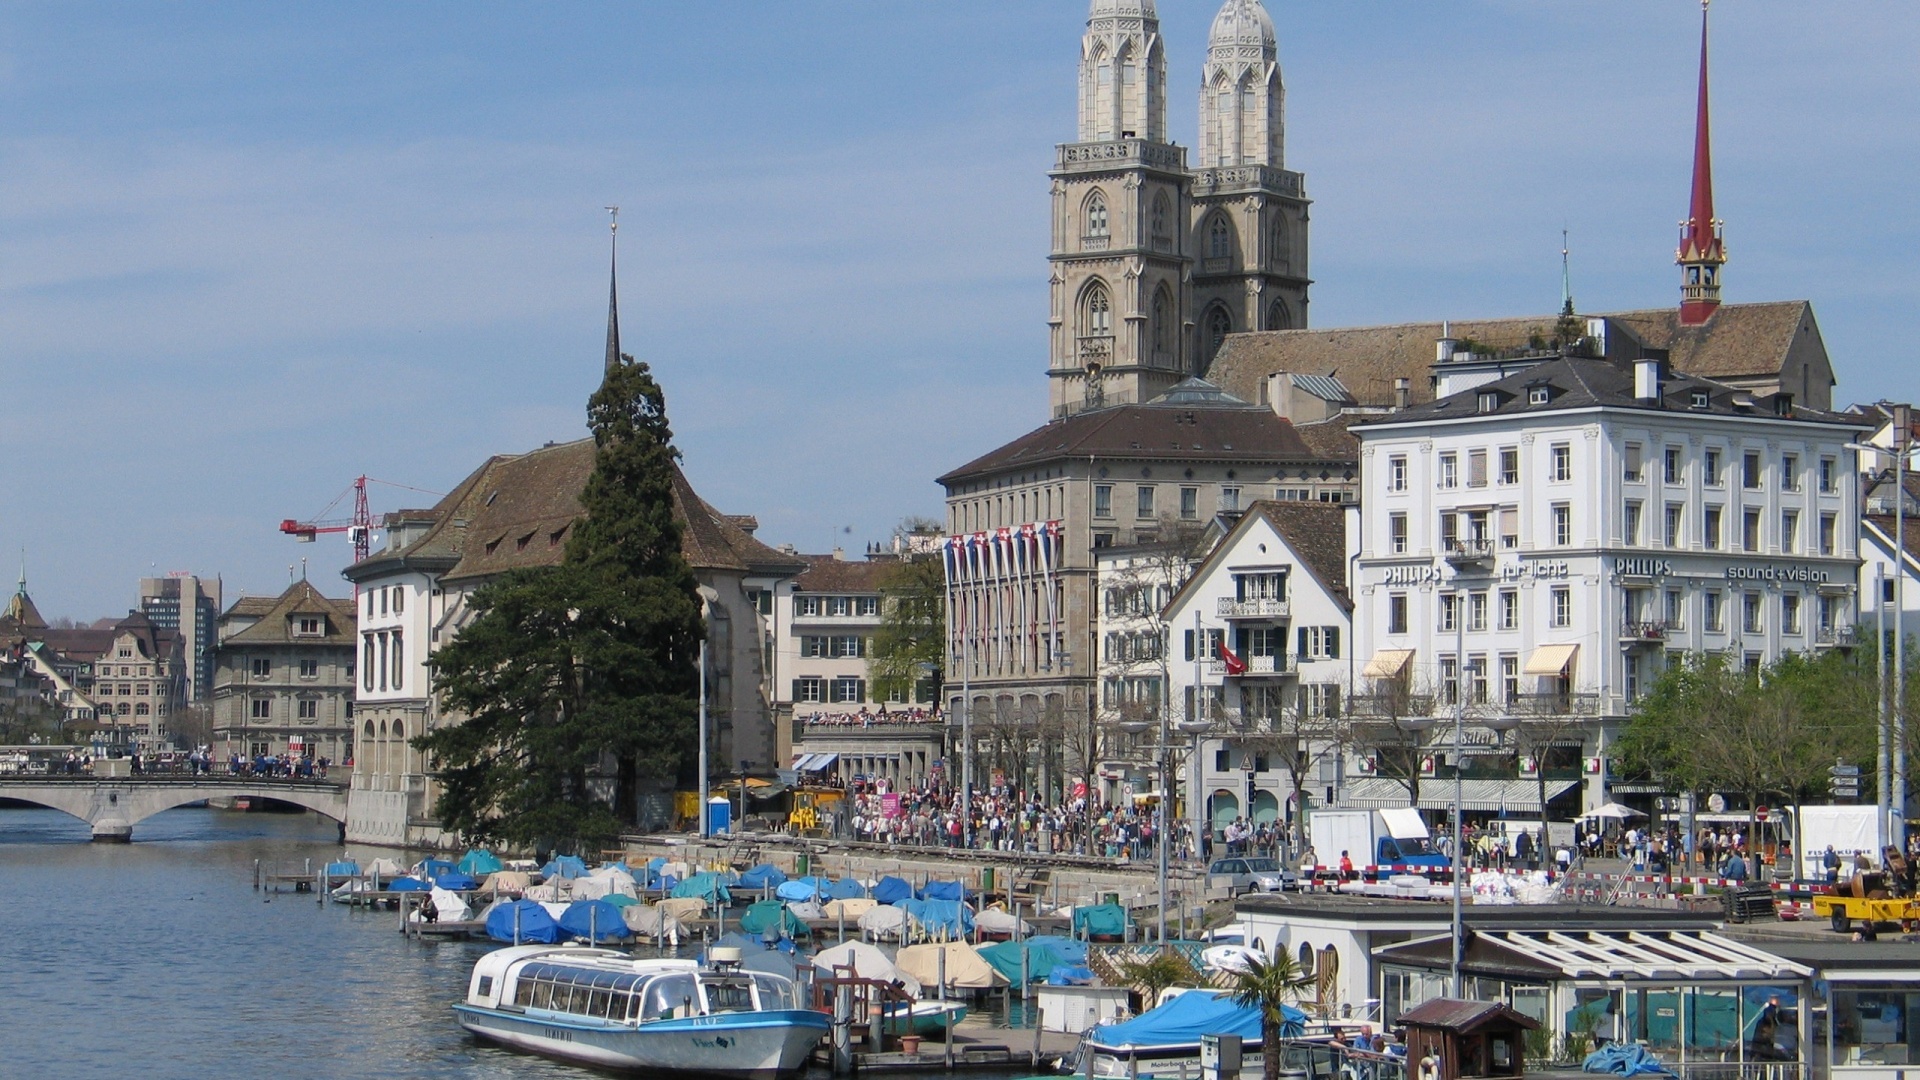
(1120, 260)
(1702, 252)
(1248, 224)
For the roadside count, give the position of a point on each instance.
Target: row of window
(262, 667)
(807, 606)
(125, 671)
(392, 598)
(1713, 461)
(304, 709)
(840, 688)
(1310, 642)
(1503, 607)
(1145, 501)
(1015, 508)
(123, 689)
(1560, 467)
(1137, 600)
(383, 660)
(137, 708)
(833, 646)
(1673, 534)
(1560, 610)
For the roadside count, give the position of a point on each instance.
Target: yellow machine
(812, 807)
(1844, 911)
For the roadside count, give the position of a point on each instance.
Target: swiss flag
(1235, 665)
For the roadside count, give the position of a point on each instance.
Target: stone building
(283, 677)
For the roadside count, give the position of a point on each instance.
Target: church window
(1277, 317)
(1096, 215)
(1162, 319)
(1161, 212)
(1219, 325)
(1219, 238)
(1098, 317)
(1278, 255)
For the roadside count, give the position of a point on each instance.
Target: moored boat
(602, 1007)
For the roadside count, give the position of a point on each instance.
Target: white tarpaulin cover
(684, 908)
(606, 881)
(447, 906)
(384, 868)
(512, 881)
(884, 921)
(966, 969)
(653, 922)
(996, 920)
(867, 962)
(1403, 823)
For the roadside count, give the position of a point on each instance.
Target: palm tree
(1269, 985)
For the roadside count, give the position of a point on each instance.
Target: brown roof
(251, 607)
(1155, 431)
(1331, 438)
(81, 645)
(21, 615)
(301, 598)
(155, 643)
(1315, 531)
(825, 574)
(1465, 1016)
(1740, 341)
(515, 511)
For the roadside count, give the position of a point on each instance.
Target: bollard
(946, 1018)
(842, 1030)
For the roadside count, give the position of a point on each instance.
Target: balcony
(1835, 637)
(1097, 349)
(1217, 265)
(1470, 552)
(1256, 666)
(1643, 632)
(1229, 608)
(1555, 704)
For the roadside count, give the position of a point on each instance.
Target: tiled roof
(250, 607)
(1741, 341)
(1317, 533)
(157, 643)
(1155, 431)
(301, 598)
(1333, 438)
(21, 614)
(826, 574)
(515, 512)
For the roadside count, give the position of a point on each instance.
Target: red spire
(1701, 253)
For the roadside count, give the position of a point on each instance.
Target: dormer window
(1489, 402)
(1699, 399)
(1538, 395)
(309, 626)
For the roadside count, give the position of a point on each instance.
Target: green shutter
(1300, 647)
(1189, 637)
(1333, 642)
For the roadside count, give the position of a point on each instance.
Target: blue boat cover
(948, 919)
(1100, 920)
(943, 890)
(1183, 1020)
(1071, 975)
(536, 925)
(1070, 950)
(343, 868)
(1624, 1059)
(707, 887)
(889, 890)
(564, 866)
(454, 881)
(479, 862)
(803, 889)
(585, 917)
(656, 862)
(845, 889)
(433, 868)
(408, 884)
(764, 876)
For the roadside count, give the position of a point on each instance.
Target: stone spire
(613, 290)
(1242, 100)
(1123, 73)
(1701, 253)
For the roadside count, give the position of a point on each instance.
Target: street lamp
(1891, 761)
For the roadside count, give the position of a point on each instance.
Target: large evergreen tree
(579, 681)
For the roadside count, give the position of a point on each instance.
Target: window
(1397, 473)
(1189, 503)
(1716, 617)
(1161, 211)
(849, 688)
(1631, 473)
(1828, 610)
(806, 606)
(1750, 531)
(1676, 610)
(1562, 607)
(1397, 533)
(366, 664)
(1790, 472)
(1509, 678)
(262, 708)
(1450, 680)
(1229, 500)
(811, 688)
(1750, 612)
(1219, 238)
(1477, 678)
(1673, 526)
(1539, 395)
(1476, 468)
(1710, 465)
(839, 606)
(1103, 500)
(1699, 399)
(1509, 609)
(1449, 531)
(383, 600)
(1670, 465)
(1489, 401)
(1316, 643)
(309, 627)
(1509, 465)
(1789, 531)
(1827, 468)
(1509, 527)
(1710, 528)
(1449, 610)
(1562, 524)
(309, 709)
(1562, 461)
(1477, 611)
(1630, 525)
(309, 668)
(1826, 534)
(1097, 315)
(1750, 470)
(1144, 507)
(1790, 613)
(1096, 215)
(399, 660)
(1449, 471)
(847, 645)
(1397, 613)
(866, 606)
(399, 600)
(262, 667)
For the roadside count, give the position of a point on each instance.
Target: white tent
(866, 961)
(965, 968)
(449, 907)
(884, 922)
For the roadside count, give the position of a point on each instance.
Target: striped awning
(1550, 660)
(807, 763)
(1387, 664)
(1492, 796)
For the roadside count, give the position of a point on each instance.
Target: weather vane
(614, 225)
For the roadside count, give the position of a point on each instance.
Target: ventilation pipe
(1646, 378)
(1402, 394)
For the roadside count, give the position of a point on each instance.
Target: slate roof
(301, 598)
(250, 607)
(1741, 341)
(156, 643)
(1580, 382)
(826, 574)
(515, 511)
(1185, 424)
(1333, 438)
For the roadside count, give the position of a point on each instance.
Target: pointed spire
(613, 290)
(1701, 252)
(1566, 278)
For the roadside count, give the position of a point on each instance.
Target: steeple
(1701, 253)
(1123, 73)
(613, 290)
(1242, 101)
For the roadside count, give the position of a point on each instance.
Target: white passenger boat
(605, 1008)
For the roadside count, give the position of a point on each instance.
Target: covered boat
(479, 862)
(1166, 1040)
(594, 920)
(889, 889)
(603, 1008)
(770, 918)
(1103, 922)
(849, 909)
(863, 961)
(521, 921)
(884, 923)
(964, 968)
(764, 876)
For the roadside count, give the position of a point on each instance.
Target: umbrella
(1612, 810)
(594, 919)
(479, 862)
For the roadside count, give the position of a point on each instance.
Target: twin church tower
(1154, 261)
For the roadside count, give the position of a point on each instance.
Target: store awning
(1387, 664)
(807, 763)
(1491, 796)
(1678, 956)
(1550, 660)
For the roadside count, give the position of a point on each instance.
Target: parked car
(1240, 875)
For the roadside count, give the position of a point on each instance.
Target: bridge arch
(113, 807)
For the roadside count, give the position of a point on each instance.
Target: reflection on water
(156, 959)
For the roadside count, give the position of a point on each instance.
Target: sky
(249, 252)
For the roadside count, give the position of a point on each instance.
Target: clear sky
(250, 251)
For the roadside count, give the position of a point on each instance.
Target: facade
(139, 685)
(1561, 530)
(190, 605)
(1155, 262)
(284, 677)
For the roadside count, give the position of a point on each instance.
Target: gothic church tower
(1119, 258)
(1249, 213)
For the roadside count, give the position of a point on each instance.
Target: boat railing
(869, 998)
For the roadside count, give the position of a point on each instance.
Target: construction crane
(359, 527)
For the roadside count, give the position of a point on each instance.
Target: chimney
(1444, 348)
(1646, 378)
(839, 554)
(1402, 393)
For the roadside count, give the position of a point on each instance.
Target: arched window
(124, 709)
(399, 730)
(1219, 325)
(1096, 215)
(1278, 255)
(1096, 318)
(1219, 238)
(369, 729)
(1162, 214)
(383, 729)
(1162, 321)
(140, 708)
(1278, 318)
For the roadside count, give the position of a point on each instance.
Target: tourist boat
(925, 1017)
(604, 1008)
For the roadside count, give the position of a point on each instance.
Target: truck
(1395, 837)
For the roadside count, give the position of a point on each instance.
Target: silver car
(1239, 875)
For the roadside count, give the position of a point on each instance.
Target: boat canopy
(938, 918)
(479, 862)
(764, 876)
(1100, 920)
(866, 961)
(889, 889)
(1005, 958)
(965, 968)
(343, 868)
(943, 890)
(535, 925)
(1182, 1020)
(564, 866)
(770, 918)
(706, 886)
(595, 920)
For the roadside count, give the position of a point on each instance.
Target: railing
(1551, 704)
(1122, 151)
(1217, 265)
(1842, 636)
(1098, 242)
(1643, 631)
(1256, 665)
(1389, 706)
(1229, 608)
(1096, 349)
(1470, 551)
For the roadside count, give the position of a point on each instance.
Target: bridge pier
(112, 832)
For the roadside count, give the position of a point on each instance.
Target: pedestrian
(1346, 867)
(1831, 860)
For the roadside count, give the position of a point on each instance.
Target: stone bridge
(114, 805)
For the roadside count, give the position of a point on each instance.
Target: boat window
(486, 985)
(775, 993)
(597, 1004)
(729, 995)
(670, 995)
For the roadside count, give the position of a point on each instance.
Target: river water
(157, 960)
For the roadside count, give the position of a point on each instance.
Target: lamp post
(1890, 763)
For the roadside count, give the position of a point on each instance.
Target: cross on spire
(613, 289)
(1701, 253)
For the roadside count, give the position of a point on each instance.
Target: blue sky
(250, 251)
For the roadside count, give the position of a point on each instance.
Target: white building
(1573, 523)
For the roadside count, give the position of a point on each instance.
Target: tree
(1269, 985)
(1298, 736)
(911, 642)
(579, 680)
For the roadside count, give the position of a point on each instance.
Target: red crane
(359, 527)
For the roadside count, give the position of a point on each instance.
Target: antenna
(1566, 276)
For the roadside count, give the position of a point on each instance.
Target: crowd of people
(1003, 820)
(866, 717)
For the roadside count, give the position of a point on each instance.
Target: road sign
(1844, 770)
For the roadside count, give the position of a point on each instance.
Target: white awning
(1492, 796)
(1387, 664)
(1550, 660)
(807, 763)
(1673, 954)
